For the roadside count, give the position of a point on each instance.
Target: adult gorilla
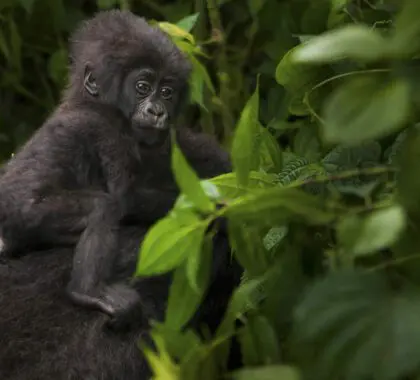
(44, 336)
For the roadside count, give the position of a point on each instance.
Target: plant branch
(344, 175)
(218, 35)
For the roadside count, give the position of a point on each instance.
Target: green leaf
(293, 169)
(168, 244)
(259, 342)
(199, 266)
(188, 22)
(365, 108)
(4, 48)
(255, 6)
(350, 320)
(274, 372)
(179, 344)
(279, 205)
(200, 364)
(106, 4)
(199, 78)
(57, 67)
(248, 248)
(183, 300)
(15, 45)
(306, 143)
(274, 237)
(270, 153)
(350, 157)
(161, 365)
(405, 41)
(299, 78)
(188, 181)
(394, 151)
(356, 41)
(176, 31)
(337, 13)
(408, 179)
(380, 229)
(244, 138)
(245, 298)
(27, 5)
(228, 186)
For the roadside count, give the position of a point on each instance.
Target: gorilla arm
(96, 251)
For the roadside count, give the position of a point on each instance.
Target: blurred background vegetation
(237, 39)
(313, 95)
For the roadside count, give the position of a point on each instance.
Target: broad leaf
(279, 205)
(259, 342)
(299, 79)
(408, 179)
(199, 78)
(355, 41)
(183, 300)
(179, 344)
(161, 364)
(364, 235)
(274, 237)
(244, 152)
(270, 153)
(349, 320)
(407, 29)
(199, 264)
(57, 67)
(245, 298)
(306, 143)
(188, 181)
(188, 22)
(293, 169)
(248, 248)
(168, 244)
(229, 188)
(176, 31)
(365, 108)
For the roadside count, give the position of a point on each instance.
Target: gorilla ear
(89, 82)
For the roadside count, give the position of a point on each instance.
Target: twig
(218, 34)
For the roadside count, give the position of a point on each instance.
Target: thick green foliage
(323, 207)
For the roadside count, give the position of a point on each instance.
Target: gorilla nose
(155, 110)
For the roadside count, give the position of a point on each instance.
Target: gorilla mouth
(150, 135)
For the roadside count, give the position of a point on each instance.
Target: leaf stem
(394, 262)
(218, 35)
(331, 79)
(343, 175)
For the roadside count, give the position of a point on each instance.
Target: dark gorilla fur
(103, 158)
(43, 337)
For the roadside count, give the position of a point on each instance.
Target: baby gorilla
(102, 159)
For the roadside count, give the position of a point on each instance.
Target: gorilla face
(148, 99)
(121, 61)
(153, 98)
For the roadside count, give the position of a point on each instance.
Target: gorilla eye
(143, 88)
(166, 93)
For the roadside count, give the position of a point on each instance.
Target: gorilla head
(120, 60)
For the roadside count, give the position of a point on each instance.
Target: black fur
(102, 159)
(43, 337)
